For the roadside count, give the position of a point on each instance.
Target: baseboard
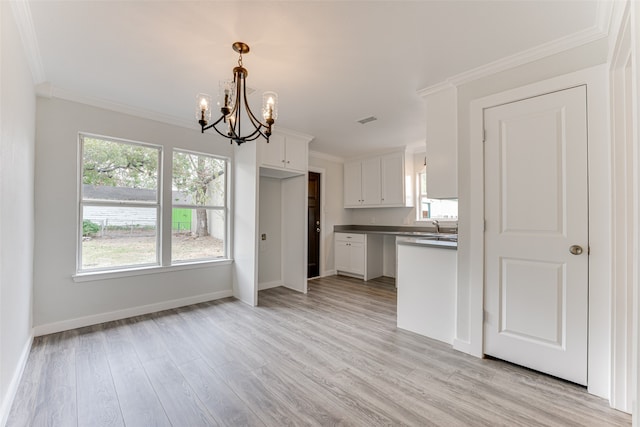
(328, 273)
(269, 285)
(65, 325)
(463, 346)
(15, 382)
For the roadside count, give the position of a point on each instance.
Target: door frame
(599, 156)
(323, 230)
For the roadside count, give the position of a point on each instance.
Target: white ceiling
(331, 62)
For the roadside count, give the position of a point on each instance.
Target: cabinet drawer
(350, 237)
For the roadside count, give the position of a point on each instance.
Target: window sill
(116, 274)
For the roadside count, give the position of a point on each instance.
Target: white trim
(463, 346)
(623, 227)
(269, 285)
(140, 271)
(65, 325)
(323, 231)
(12, 389)
(290, 132)
(596, 32)
(599, 359)
(324, 156)
(24, 21)
(47, 90)
(430, 90)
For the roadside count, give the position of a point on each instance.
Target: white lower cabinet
(358, 255)
(426, 282)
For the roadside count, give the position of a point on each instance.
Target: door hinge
(484, 135)
(484, 225)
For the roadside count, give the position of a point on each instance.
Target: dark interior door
(313, 269)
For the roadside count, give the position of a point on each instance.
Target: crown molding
(599, 30)
(24, 22)
(47, 90)
(438, 87)
(294, 133)
(324, 156)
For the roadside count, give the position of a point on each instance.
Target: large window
(198, 218)
(119, 204)
(122, 209)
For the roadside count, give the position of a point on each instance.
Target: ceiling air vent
(367, 120)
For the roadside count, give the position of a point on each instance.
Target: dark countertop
(394, 230)
(423, 236)
(417, 241)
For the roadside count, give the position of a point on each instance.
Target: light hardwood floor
(332, 357)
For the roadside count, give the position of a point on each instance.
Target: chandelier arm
(225, 135)
(256, 123)
(212, 125)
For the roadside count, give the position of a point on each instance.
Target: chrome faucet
(437, 225)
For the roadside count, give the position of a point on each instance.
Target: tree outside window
(119, 204)
(199, 207)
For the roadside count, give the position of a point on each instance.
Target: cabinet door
(371, 194)
(273, 152)
(342, 256)
(296, 156)
(352, 184)
(356, 258)
(392, 166)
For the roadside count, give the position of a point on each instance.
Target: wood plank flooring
(332, 357)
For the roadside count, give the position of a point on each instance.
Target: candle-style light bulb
(270, 107)
(203, 112)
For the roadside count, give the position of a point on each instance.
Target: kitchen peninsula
(426, 263)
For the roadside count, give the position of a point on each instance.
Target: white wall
(60, 302)
(333, 205)
(270, 250)
(17, 136)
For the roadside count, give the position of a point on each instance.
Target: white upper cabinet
(284, 153)
(442, 144)
(379, 181)
(352, 184)
(371, 194)
(393, 177)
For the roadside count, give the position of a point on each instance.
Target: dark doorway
(313, 269)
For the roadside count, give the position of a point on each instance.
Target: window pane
(114, 170)
(115, 237)
(198, 179)
(197, 234)
(423, 183)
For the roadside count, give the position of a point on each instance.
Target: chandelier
(231, 96)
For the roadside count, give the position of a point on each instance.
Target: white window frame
(224, 208)
(117, 203)
(163, 218)
(420, 196)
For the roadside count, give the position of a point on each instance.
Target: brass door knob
(575, 250)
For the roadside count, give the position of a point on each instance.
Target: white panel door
(536, 290)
